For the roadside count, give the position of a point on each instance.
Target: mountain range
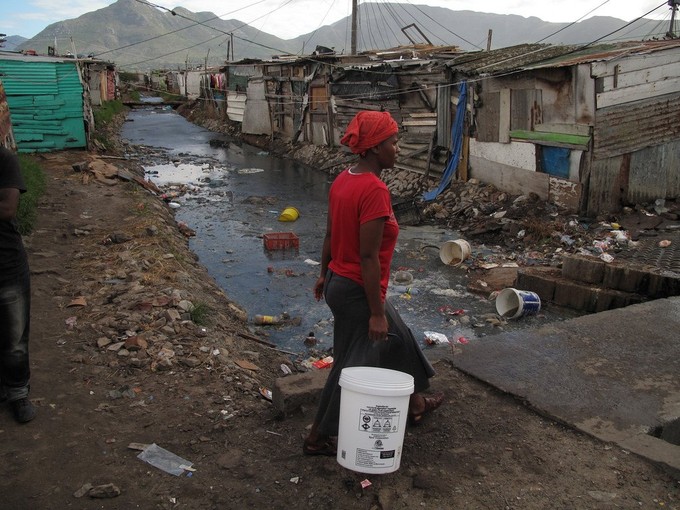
(137, 36)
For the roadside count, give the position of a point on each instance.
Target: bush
(34, 178)
(105, 113)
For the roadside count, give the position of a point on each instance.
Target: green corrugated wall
(45, 103)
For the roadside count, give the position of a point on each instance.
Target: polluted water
(232, 195)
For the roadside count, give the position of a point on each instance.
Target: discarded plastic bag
(165, 460)
(432, 338)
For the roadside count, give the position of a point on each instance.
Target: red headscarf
(368, 129)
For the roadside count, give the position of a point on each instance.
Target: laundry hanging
(456, 144)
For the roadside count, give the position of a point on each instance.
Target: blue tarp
(456, 144)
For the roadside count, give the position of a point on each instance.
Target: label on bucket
(378, 423)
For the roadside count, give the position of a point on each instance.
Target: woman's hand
(377, 328)
(318, 287)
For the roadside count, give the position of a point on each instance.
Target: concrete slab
(613, 375)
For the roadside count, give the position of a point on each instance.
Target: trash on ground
(607, 257)
(266, 319)
(433, 338)
(665, 243)
(365, 483)
(165, 460)
(312, 262)
(266, 393)
(281, 241)
(323, 362)
(286, 369)
(246, 364)
(290, 213)
(78, 301)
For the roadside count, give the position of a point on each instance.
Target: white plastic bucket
(373, 416)
(453, 253)
(512, 303)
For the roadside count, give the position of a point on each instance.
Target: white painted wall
(514, 154)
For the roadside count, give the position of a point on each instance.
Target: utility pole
(674, 7)
(355, 15)
(488, 40)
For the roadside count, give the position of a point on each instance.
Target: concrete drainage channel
(669, 432)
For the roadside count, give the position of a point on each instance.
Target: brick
(294, 391)
(576, 295)
(609, 299)
(583, 269)
(541, 280)
(627, 278)
(663, 285)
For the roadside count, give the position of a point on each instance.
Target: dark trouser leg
(15, 310)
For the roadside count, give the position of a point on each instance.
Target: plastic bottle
(405, 290)
(266, 319)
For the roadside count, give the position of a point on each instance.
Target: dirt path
(125, 364)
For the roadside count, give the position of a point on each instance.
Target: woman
(361, 234)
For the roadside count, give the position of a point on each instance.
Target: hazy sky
(289, 18)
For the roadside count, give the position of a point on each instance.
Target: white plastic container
(373, 417)
(453, 253)
(512, 303)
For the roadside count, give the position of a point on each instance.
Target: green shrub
(199, 314)
(34, 178)
(107, 111)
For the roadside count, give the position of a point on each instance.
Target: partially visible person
(361, 234)
(15, 294)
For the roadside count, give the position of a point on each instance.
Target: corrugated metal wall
(636, 155)
(46, 104)
(633, 126)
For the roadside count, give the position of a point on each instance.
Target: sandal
(327, 448)
(432, 402)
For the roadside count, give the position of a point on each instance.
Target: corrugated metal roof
(536, 56)
(603, 52)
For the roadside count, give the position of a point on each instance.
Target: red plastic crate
(281, 241)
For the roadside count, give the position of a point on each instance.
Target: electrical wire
(573, 22)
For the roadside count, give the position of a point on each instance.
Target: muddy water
(237, 195)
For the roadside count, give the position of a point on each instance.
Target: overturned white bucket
(512, 303)
(453, 253)
(373, 416)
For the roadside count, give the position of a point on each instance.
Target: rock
(108, 490)
(82, 491)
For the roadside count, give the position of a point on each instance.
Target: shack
(48, 103)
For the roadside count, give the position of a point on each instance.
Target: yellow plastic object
(289, 214)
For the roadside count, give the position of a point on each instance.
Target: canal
(236, 194)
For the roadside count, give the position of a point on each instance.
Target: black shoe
(23, 410)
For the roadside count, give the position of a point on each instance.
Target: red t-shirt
(353, 200)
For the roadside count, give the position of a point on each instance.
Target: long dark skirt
(352, 348)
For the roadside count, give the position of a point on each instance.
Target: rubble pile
(147, 305)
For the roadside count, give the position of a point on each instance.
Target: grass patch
(107, 111)
(199, 313)
(34, 178)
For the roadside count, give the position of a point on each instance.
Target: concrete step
(645, 280)
(552, 287)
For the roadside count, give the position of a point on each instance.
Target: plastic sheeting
(456, 144)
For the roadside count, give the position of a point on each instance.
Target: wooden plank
(432, 122)
(504, 116)
(634, 63)
(464, 160)
(637, 93)
(423, 114)
(623, 80)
